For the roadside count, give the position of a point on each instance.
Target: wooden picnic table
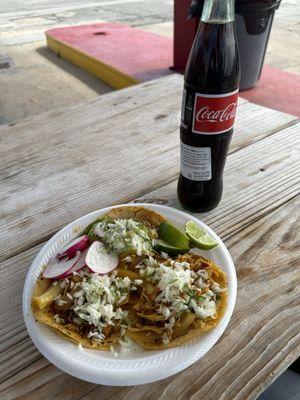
(124, 146)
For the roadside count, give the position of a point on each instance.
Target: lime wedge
(173, 236)
(161, 245)
(199, 236)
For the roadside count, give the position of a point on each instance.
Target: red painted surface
(276, 89)
(146, 56)
(184, 33)
(135, 52)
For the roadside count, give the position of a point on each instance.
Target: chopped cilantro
(190, 292)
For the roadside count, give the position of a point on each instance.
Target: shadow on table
(286, 387)
(91, 81)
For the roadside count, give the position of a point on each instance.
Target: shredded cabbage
(124, 234)
(96, 302)
(181, 289)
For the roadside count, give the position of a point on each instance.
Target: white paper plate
(138, 367)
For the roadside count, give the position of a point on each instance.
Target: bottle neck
(218, 11)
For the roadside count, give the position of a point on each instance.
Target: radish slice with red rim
(60, 269)
(80, 263)
(99, 260)
(69, 251)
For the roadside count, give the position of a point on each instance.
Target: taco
(154, 299)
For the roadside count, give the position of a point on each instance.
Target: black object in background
(253, 22)
(296, 367)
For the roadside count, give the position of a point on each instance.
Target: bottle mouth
(218, 11)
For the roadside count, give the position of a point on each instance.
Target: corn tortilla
(149, 339)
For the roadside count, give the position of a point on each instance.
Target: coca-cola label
(214, 114)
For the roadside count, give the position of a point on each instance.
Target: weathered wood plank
(255, 122)
(54, 167)
(262, 339)
(143, 158)
(103, 107)
(268, 181)
(258, 179)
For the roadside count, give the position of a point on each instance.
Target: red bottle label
(214, 114)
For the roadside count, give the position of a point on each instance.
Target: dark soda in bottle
(209, 105)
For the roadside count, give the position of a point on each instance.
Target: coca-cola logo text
(205, 114)
(214, 115)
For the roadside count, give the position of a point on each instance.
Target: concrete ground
(39, 81)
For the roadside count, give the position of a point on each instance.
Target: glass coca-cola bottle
(209, 104)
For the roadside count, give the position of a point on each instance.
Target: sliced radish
(79, 244)
(99, 260)
(60, 269)
(80, 263)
